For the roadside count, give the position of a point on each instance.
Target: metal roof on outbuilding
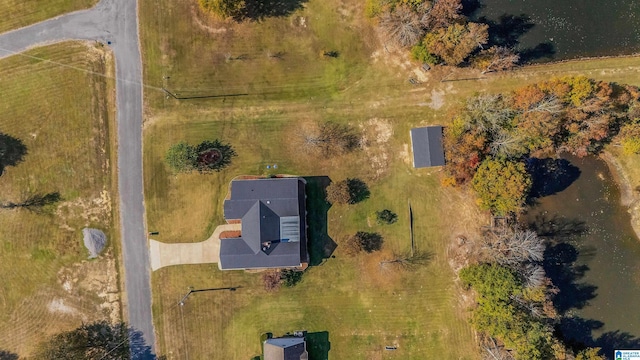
(426, 143)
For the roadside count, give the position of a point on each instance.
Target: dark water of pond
(593, 257)
(564, 29)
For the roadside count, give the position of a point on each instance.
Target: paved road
(113, 21)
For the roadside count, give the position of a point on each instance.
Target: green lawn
(19, 13)
(63, 116)
(362, 307)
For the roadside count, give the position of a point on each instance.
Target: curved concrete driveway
(113, 21)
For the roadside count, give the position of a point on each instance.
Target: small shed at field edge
(426, 144)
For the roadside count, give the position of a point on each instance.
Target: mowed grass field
(18, 13)
(362, 307)
(62, 111)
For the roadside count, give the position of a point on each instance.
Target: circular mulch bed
(209, 157)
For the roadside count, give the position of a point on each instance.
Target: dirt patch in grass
(376, 134)
(463, 219)
(96, 278)
(383, 276)
(91, 211)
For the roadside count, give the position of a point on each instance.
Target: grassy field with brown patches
(362, 306)
(15, 14)
(64, 116)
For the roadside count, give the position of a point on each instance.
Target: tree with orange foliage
(463, 153)
(496, 58)
(440, 13)
(456, 42)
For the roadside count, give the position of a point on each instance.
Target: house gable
(273, 222)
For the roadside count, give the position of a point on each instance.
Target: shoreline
(628, 198)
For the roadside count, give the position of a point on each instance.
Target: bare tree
(402, 26)
(549, 103)
(440, 13)
(513, 248)
(533, 275)
(329, 139)
(506, 143)
(497, 58)
(493, 350)
(478, 34)
(338, 192)
(489, 113)
(535, 308)
(271, 280)
(407, 261)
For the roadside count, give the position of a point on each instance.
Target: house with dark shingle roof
(272, 213)
(426, 143)
(287, 348)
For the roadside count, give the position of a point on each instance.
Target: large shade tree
(456, 42)
(223, 8)
(502, 186)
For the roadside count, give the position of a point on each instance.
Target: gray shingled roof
(427, 146)
(291, 348)
(273, 215)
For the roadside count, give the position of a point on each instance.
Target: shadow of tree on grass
(12, 151)
(7, 355)
(38, 203)
(260, 9)
(318, 345)
(358, 189)
(97, 340)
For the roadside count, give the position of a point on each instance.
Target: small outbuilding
(426, 143)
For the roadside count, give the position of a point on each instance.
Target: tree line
(514, 309)
(493, 136)
(436, 32)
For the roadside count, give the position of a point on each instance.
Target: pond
(593, 257)
(563, 29)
